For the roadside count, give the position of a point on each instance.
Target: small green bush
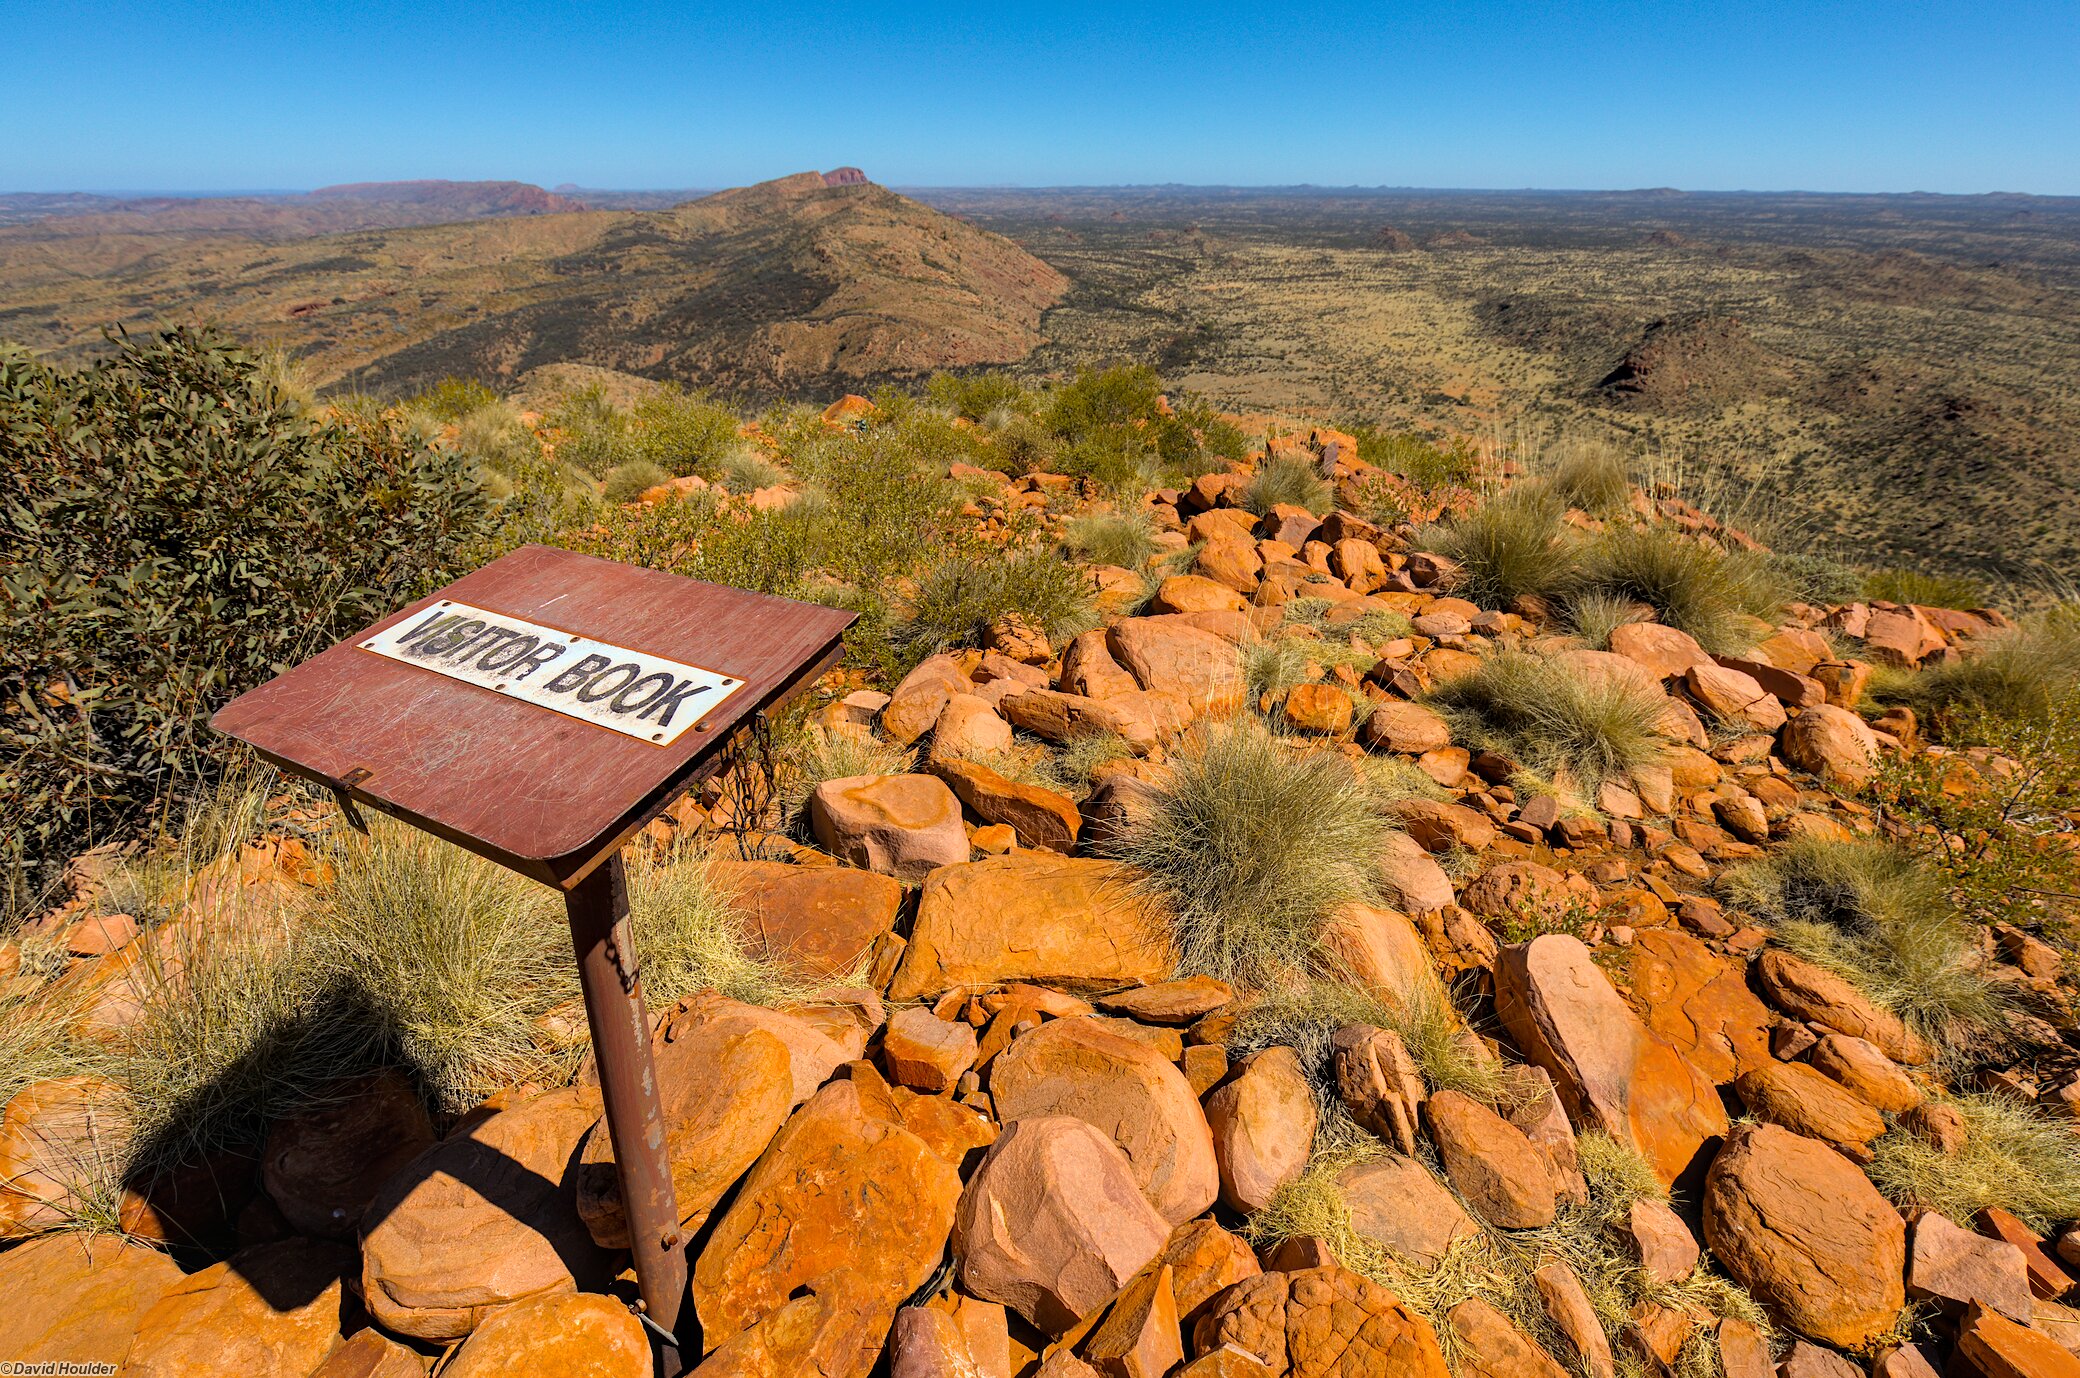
(1548, 716)
(1688, 584)
(1100, 400)
(1289, 482)
(1023, 446)
(452, 399)
(683, 433)
(1125, 539)
(627, 482)
(1877, 917)
(177, 531)
(1930, 589)
(1514, 545)
(2014, 1158)
(1425, 463)
(1251, 845)
(977, 395)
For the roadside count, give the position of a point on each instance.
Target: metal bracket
(347, 807)
(749, 783)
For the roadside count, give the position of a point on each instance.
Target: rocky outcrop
(1075, 923)
(1806, 1234)
(1612, 1073)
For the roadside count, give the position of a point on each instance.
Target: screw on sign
(540, 712)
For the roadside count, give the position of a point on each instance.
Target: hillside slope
(787, 284)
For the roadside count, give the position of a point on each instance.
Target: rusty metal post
(598, 908)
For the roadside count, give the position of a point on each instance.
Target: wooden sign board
(542, 709)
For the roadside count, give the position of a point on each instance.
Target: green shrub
(2014, 1158)
(977, 395)
(1022, 446)
(1125, 539)
(452, 399)
(1590, 475)
(2000, 845)
(1425, 463)
(1688, 584)
(1548, 716)
(1513, 546)
(1932, 590)
(627, 482)
(591, 432)
(178, 530)
(1251, 845)
(684, 434)
(1100, 400)
(1877, 917)
(958, 598)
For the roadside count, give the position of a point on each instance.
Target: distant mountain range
(811, 279)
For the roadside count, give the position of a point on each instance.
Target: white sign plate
(631, 692)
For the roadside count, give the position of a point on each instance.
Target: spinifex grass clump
(2022, 674)
(1689, 585)
(453, 958)
(1288, 482)
(809, 755)
(1499, 1266)
(1552, 717)
(1251, 844)
(1514, 545)
(960, 598)
(1125, 539)
(2014, 1158)
(1304, 1015)
(1590, 475)
(1876, 916)
(627, 482)
(693, 938)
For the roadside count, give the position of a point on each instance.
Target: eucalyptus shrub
(177, 529)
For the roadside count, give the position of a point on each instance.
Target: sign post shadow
(539, 712)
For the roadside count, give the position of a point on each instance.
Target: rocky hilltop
(816, 278)
(1317, 951)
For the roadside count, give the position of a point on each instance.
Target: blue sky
(1855, 97)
